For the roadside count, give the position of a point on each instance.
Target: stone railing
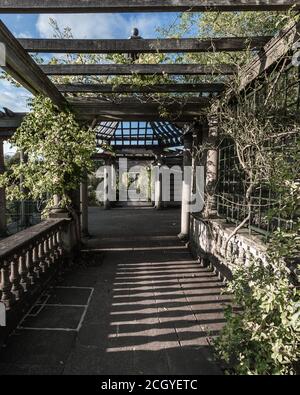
(209, 240)
(27, 258)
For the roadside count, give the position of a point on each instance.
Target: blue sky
(83, 26)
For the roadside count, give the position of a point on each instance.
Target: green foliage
(225, 24)
(264, 336)
(57, 149)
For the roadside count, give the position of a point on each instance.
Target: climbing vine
(57, 150)
(263, 335)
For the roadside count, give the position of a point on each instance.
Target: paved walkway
(137, 304)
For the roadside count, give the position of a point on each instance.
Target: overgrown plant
(263, 335)
(58, 153)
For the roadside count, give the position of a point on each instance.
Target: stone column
(153, 183)
(84, 206)
(106, 181)
(3, 228)
(211, 169)
(158, 185)
(186, 188)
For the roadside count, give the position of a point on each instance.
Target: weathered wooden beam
(129, 110)
(103, 6)
(142, 69)
(127, 88)
(9, 124)
(135, 110)
(24, 70)
(170, 45)
(270, 54)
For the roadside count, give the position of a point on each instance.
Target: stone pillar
(186, 188)
(158, 185)
(3, 228)
(106, 181)
(84, 206)
(211, 169)
(153, 184)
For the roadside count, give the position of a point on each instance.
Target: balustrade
(26, 257)
(211, 239)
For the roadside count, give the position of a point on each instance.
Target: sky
(83, 26)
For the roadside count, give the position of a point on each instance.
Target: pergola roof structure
(139, 134)
(115, 117)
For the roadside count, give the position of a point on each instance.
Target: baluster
(50, 245)
(55, 246)
(222, 246)
(42, 256)
(30, 265)
(7, 296)
(23, 271)
(15, 278)
(248, 256)
(46, 252)
(59, 242)
(35, 259)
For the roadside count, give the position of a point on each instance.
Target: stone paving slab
(153, 308)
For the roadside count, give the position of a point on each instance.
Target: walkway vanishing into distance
(137, 303)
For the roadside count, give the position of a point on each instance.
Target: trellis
(231, 183)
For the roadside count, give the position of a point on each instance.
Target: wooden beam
(127, 88)
(270, 54)
(126, 110)
(142, 69)
(170, 45)
(24, 70)
(135, 110)
(104, 6)
(8, 125)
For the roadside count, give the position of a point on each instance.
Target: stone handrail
(209, 239)
(26, 257)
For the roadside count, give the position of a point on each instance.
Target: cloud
(16, 100)
(104, 25)
(12, 97)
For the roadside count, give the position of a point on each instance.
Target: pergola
(37, 78)
(128, 122)
(132, 127)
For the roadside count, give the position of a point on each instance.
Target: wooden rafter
(9, 124)
(127, 88)
(84, 6)
(270, 54)
(142, 69)
(24, 70)
(170, 45)
(135, 110)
